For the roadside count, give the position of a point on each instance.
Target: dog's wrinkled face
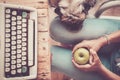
(74, 11)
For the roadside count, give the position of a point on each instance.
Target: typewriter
(18, 42)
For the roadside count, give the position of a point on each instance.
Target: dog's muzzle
(71, 18)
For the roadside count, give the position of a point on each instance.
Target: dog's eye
(86, 8)
(63, 7)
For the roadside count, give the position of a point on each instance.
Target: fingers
(75, 48)
(78, 46)
(75, 64)
(94, 62)
(95, 56)
(93, 53)
(91, 59)
(84, 44)
(81, 67)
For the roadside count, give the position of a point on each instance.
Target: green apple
(81, 56)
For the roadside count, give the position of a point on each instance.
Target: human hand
(93, 65)
(94, 44)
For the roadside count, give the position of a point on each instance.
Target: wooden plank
(43, 24)
(43, 37)
(22, 1)
(44, 70)
(39, 4)
(42, 13)
(1, 1)
(43, 20)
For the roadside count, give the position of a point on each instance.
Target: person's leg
(61, 61)
(91, 28)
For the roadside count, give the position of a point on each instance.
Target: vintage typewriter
(18, 42)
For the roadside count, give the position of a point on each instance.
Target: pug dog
(73, 11)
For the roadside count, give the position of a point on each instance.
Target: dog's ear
(57, 11)
(88, 4)
(91, 2)
(53, 3)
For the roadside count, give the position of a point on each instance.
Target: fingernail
(92, 50)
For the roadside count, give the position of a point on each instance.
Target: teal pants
(92, 28)
(62, 62)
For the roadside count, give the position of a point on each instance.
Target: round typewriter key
(13, 52)
(24, 14)
(19, 55)
(19, 22)
(7, 21)
(19, 46)
(7, 11)
(13, 72)
(13, 23)
(7, 59)
(13, 57)
(24, 69)
(19, 65)
(7, 65)
(7, 54)
(13, 18)
(7, 35)
(18, 62)
(7, 39)
(24, 20)
(19, 70)
(19, 17)
(7, 69)
(7, 30)
(13, 27)
(19, 27)
(24, 53)
(7, 25)
(13, 62)
(24, 25)
(14, 12)
(7, 45)
(7, 16)
(24, 63)
(7, 49)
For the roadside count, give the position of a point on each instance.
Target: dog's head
(73, 11)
